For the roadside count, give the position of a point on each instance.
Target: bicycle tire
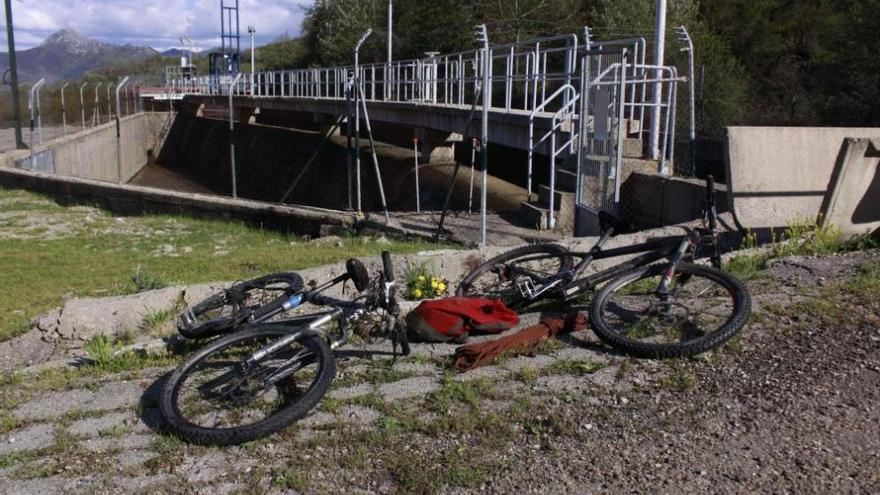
(466, 287)
(288, 413)
(204, 320)
(741, 308)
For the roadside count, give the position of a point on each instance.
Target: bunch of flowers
(423, 285)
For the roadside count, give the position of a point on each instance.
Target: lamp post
(482, 37)
(97, 112)
(82, 104)
(252, 31)
(659, 50)
(64, 109)
(357, 115)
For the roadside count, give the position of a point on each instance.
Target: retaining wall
(779, 174)
(92, 153)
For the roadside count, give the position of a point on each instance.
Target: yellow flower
(421, 278)
(434, 283)
(417, 292)
(441, 287)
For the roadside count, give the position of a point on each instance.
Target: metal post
(252, 31)
(64, 109)
(473, 167)
(119, 132)
(96, 115)
(416, 169)
(82, 104)
(13, 77)
(357, 115)
(109, 104)
(657, 101)
(390, 27)
(232, 135)
(32, 109)
(482, 36)
(37, 87)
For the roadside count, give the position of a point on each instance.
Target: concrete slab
(779, 174)
(853, 202)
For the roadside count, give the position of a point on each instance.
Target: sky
(155, 23)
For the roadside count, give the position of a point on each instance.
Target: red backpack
(452, 319)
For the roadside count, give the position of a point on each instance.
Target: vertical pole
(483, 36)
(348, 130)
(110, 103)
(416, 169)
(96, 114)
(473, 167)
(659, 50)
(63, 109)
(82, 105)
(119, 132)
(363, 100)
(692, 105)
(232, 135)
(31, 108)
(253, 32)
(13, 77)
(357, 115)
(38, 86)
(390, 27)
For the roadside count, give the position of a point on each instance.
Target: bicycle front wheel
(703, 308)
(507, 276)
(217, 398)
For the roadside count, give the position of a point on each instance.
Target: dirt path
(790, 407)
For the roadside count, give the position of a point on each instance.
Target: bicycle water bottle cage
(526, 287)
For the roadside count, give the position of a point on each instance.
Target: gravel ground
(788, 407)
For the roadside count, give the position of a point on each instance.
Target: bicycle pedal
(526, 287)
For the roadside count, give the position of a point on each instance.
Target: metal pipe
(659, 51)
(252, 32)
(375, 160)
(232, 135)
(119, 132)
(473, 167)
(64, 109)
(96, 115)
(32, 108)
(109, 103)
(685, 37)
(416, 169)
(37, 87)
(483, 37)
(82, 104)
(390, 27)
(357, 115)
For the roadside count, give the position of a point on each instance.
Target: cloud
(156, 23)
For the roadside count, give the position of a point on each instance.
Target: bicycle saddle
(358, 274)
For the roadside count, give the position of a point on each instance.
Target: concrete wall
(779, 174)
(853, 202)
(652, 200)
(91, 154)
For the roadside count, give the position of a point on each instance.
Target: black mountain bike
(263, 377)
(646, 308)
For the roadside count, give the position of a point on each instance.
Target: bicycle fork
(669, 274)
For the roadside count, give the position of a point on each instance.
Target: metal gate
(600, 148)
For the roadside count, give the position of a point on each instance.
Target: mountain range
(68, 55)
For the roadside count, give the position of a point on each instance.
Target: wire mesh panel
(600, 150)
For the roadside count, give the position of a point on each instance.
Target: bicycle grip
(387, 266)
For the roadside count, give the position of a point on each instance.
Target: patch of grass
(292, 478)
(103, 258)
(804, 237)
(746, 266)
(867, 279)
(679, 380)
(526, 374)
(8, 422)
(36, 470)
(144, 280)
(156, 322)
(573, 367)
(100, 350)
(117, 431)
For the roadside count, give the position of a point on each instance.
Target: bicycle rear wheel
(503, 276)
(217, 398)
(223, 312)
(704, 308)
